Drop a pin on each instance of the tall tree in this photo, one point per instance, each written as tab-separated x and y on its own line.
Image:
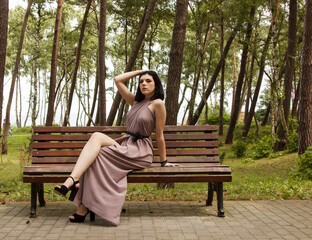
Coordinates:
4	19
102	98
15	73
133	55
175	62
234	113
289	73
305	96
221	104
77	61
57	30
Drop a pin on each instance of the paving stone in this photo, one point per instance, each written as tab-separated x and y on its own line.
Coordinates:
164	220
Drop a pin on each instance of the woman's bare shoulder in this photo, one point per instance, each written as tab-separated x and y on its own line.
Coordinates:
157	103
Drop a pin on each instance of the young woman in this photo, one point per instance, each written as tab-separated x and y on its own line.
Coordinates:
98	182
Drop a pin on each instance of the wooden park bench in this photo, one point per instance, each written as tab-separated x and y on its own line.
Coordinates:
55	151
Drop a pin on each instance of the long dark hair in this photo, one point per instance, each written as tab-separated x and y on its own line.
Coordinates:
158	92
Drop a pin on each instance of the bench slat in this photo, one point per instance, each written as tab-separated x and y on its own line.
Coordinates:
64	169
80	145
137	178
170	152
190	159
85	137
168	128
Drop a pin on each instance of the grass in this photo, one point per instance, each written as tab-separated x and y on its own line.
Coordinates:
266	178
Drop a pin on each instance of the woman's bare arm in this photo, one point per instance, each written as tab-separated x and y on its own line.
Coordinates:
120	81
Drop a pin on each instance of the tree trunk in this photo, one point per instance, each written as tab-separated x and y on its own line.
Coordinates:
305	92
257	89
102	95
15	73
4	18
234	114
36	70
289	73
175	62
222	73
266	115
57	30
212	80
77	61
134	53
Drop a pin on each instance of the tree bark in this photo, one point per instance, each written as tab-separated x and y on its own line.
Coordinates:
57	30
222	73
77	61
134	53
240	80
305	92
175	62
102	95
289	73
4	19
15	73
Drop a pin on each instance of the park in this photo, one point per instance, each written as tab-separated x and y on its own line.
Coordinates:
237	93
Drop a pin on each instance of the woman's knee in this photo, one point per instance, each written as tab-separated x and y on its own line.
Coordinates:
97	136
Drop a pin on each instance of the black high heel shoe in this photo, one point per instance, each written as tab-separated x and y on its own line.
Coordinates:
80	218
64	190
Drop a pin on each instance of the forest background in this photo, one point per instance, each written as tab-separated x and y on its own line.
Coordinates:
60	57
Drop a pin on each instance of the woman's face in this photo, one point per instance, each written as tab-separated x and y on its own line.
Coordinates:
147	85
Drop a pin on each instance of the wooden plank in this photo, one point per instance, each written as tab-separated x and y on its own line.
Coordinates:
170	152
178	178
80	145
182	160
67	168
168	128
85	137
138	179
79	129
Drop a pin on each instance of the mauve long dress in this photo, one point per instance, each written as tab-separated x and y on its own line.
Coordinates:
103	186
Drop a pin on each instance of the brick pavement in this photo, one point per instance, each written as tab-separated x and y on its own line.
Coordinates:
290	219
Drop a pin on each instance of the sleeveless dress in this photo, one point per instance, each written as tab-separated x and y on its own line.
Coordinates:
103	186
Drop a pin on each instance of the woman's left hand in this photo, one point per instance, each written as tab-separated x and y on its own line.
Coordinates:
172	165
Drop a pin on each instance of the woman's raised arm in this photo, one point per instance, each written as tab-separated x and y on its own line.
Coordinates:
120	81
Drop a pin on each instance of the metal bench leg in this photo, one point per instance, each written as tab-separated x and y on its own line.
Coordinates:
33	204
210	194
42	202
220	199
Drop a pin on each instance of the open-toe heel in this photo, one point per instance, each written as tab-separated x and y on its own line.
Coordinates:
63	190
80	218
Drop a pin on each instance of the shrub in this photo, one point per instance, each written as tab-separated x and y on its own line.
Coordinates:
292	144
239	148
263	148
305	164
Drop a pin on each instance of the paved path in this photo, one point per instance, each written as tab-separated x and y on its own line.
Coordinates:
291	219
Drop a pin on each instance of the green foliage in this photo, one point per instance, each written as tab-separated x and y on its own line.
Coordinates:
239	148
292	144
305	164
263	148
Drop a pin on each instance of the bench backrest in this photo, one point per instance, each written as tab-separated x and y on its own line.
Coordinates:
185	144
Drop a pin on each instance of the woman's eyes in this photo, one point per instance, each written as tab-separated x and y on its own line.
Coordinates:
148	81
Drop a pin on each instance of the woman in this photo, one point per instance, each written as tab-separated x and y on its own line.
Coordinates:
102	167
